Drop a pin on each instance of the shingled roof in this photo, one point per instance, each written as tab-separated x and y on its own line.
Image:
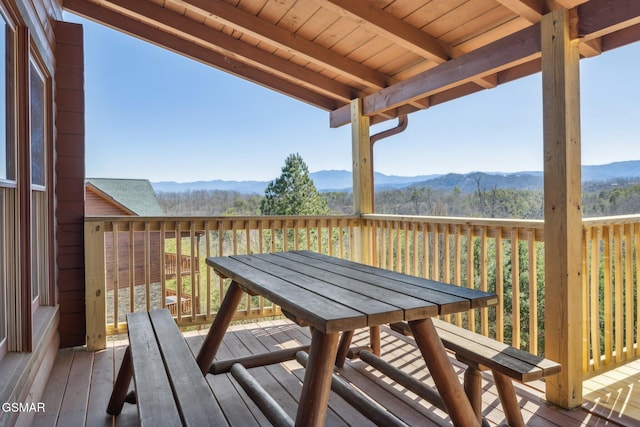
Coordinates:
135	195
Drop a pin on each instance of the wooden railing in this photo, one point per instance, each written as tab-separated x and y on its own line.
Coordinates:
126	255
171	265
501	256
487	254
611	302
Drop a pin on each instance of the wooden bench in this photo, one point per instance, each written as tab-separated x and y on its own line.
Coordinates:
506	363
170	388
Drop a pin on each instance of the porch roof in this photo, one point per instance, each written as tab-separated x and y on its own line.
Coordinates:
399	56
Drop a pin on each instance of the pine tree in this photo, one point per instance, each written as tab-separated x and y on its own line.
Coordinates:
293	192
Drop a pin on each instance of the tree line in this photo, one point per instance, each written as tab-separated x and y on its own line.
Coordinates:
293	193
604	199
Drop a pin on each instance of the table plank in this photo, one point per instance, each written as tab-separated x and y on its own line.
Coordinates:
411	306
446	302
376	310
476	298
320	312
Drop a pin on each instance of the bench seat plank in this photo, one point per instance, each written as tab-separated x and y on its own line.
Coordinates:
515	363
191	391
156	405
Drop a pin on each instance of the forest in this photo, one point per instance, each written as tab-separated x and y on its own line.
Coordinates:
599	199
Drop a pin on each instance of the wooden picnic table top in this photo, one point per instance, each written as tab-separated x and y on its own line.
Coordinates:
333	295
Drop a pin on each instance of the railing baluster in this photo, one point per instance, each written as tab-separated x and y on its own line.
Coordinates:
533	294
116	275
499	285
608	321
515	288
628	273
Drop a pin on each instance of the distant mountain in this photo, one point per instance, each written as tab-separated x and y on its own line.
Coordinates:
342	180
484	181
324	181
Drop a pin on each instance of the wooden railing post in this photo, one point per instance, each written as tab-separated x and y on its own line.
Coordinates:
95	285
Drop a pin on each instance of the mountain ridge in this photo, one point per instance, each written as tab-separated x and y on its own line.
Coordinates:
341	180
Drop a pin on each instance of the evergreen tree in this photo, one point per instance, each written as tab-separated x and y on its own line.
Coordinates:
293	192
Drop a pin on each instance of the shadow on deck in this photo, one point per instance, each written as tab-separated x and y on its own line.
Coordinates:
81	382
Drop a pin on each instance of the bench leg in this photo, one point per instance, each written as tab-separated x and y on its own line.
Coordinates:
449	387
473	389
507	395
120	388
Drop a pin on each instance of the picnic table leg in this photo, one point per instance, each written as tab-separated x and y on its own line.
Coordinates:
120	388
343	347
450	389
507	395
314	398
219	327
374	339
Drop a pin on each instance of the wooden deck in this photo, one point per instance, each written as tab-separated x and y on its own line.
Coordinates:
80	385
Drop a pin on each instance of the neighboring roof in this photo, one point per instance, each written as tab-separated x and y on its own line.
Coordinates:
399	56
136	195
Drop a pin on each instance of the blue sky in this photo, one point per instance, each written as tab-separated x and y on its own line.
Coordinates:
157	115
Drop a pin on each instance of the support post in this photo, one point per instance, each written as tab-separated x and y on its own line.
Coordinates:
362	177
562	208
95	286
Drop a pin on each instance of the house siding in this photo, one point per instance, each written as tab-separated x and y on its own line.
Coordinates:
70	172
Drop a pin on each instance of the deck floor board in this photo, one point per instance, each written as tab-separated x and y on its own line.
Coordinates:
80	385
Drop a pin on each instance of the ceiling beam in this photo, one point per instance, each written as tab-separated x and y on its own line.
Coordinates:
179	45
392	28
512	50
601	17
231	47
273	35
530	10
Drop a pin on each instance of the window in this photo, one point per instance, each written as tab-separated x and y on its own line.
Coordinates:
7	142
38	98
7	177
38	126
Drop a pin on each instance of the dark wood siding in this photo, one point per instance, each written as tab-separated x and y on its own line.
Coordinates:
70	172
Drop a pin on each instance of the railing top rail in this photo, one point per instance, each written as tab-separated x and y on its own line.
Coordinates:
468	221
611	220
198	223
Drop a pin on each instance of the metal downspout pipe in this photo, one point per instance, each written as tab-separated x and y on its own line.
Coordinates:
403	121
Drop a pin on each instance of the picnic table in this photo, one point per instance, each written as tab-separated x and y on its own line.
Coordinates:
334	296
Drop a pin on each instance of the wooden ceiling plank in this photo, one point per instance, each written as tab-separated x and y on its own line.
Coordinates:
274	35
392	28
113	19
511	50
234	48
531	10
